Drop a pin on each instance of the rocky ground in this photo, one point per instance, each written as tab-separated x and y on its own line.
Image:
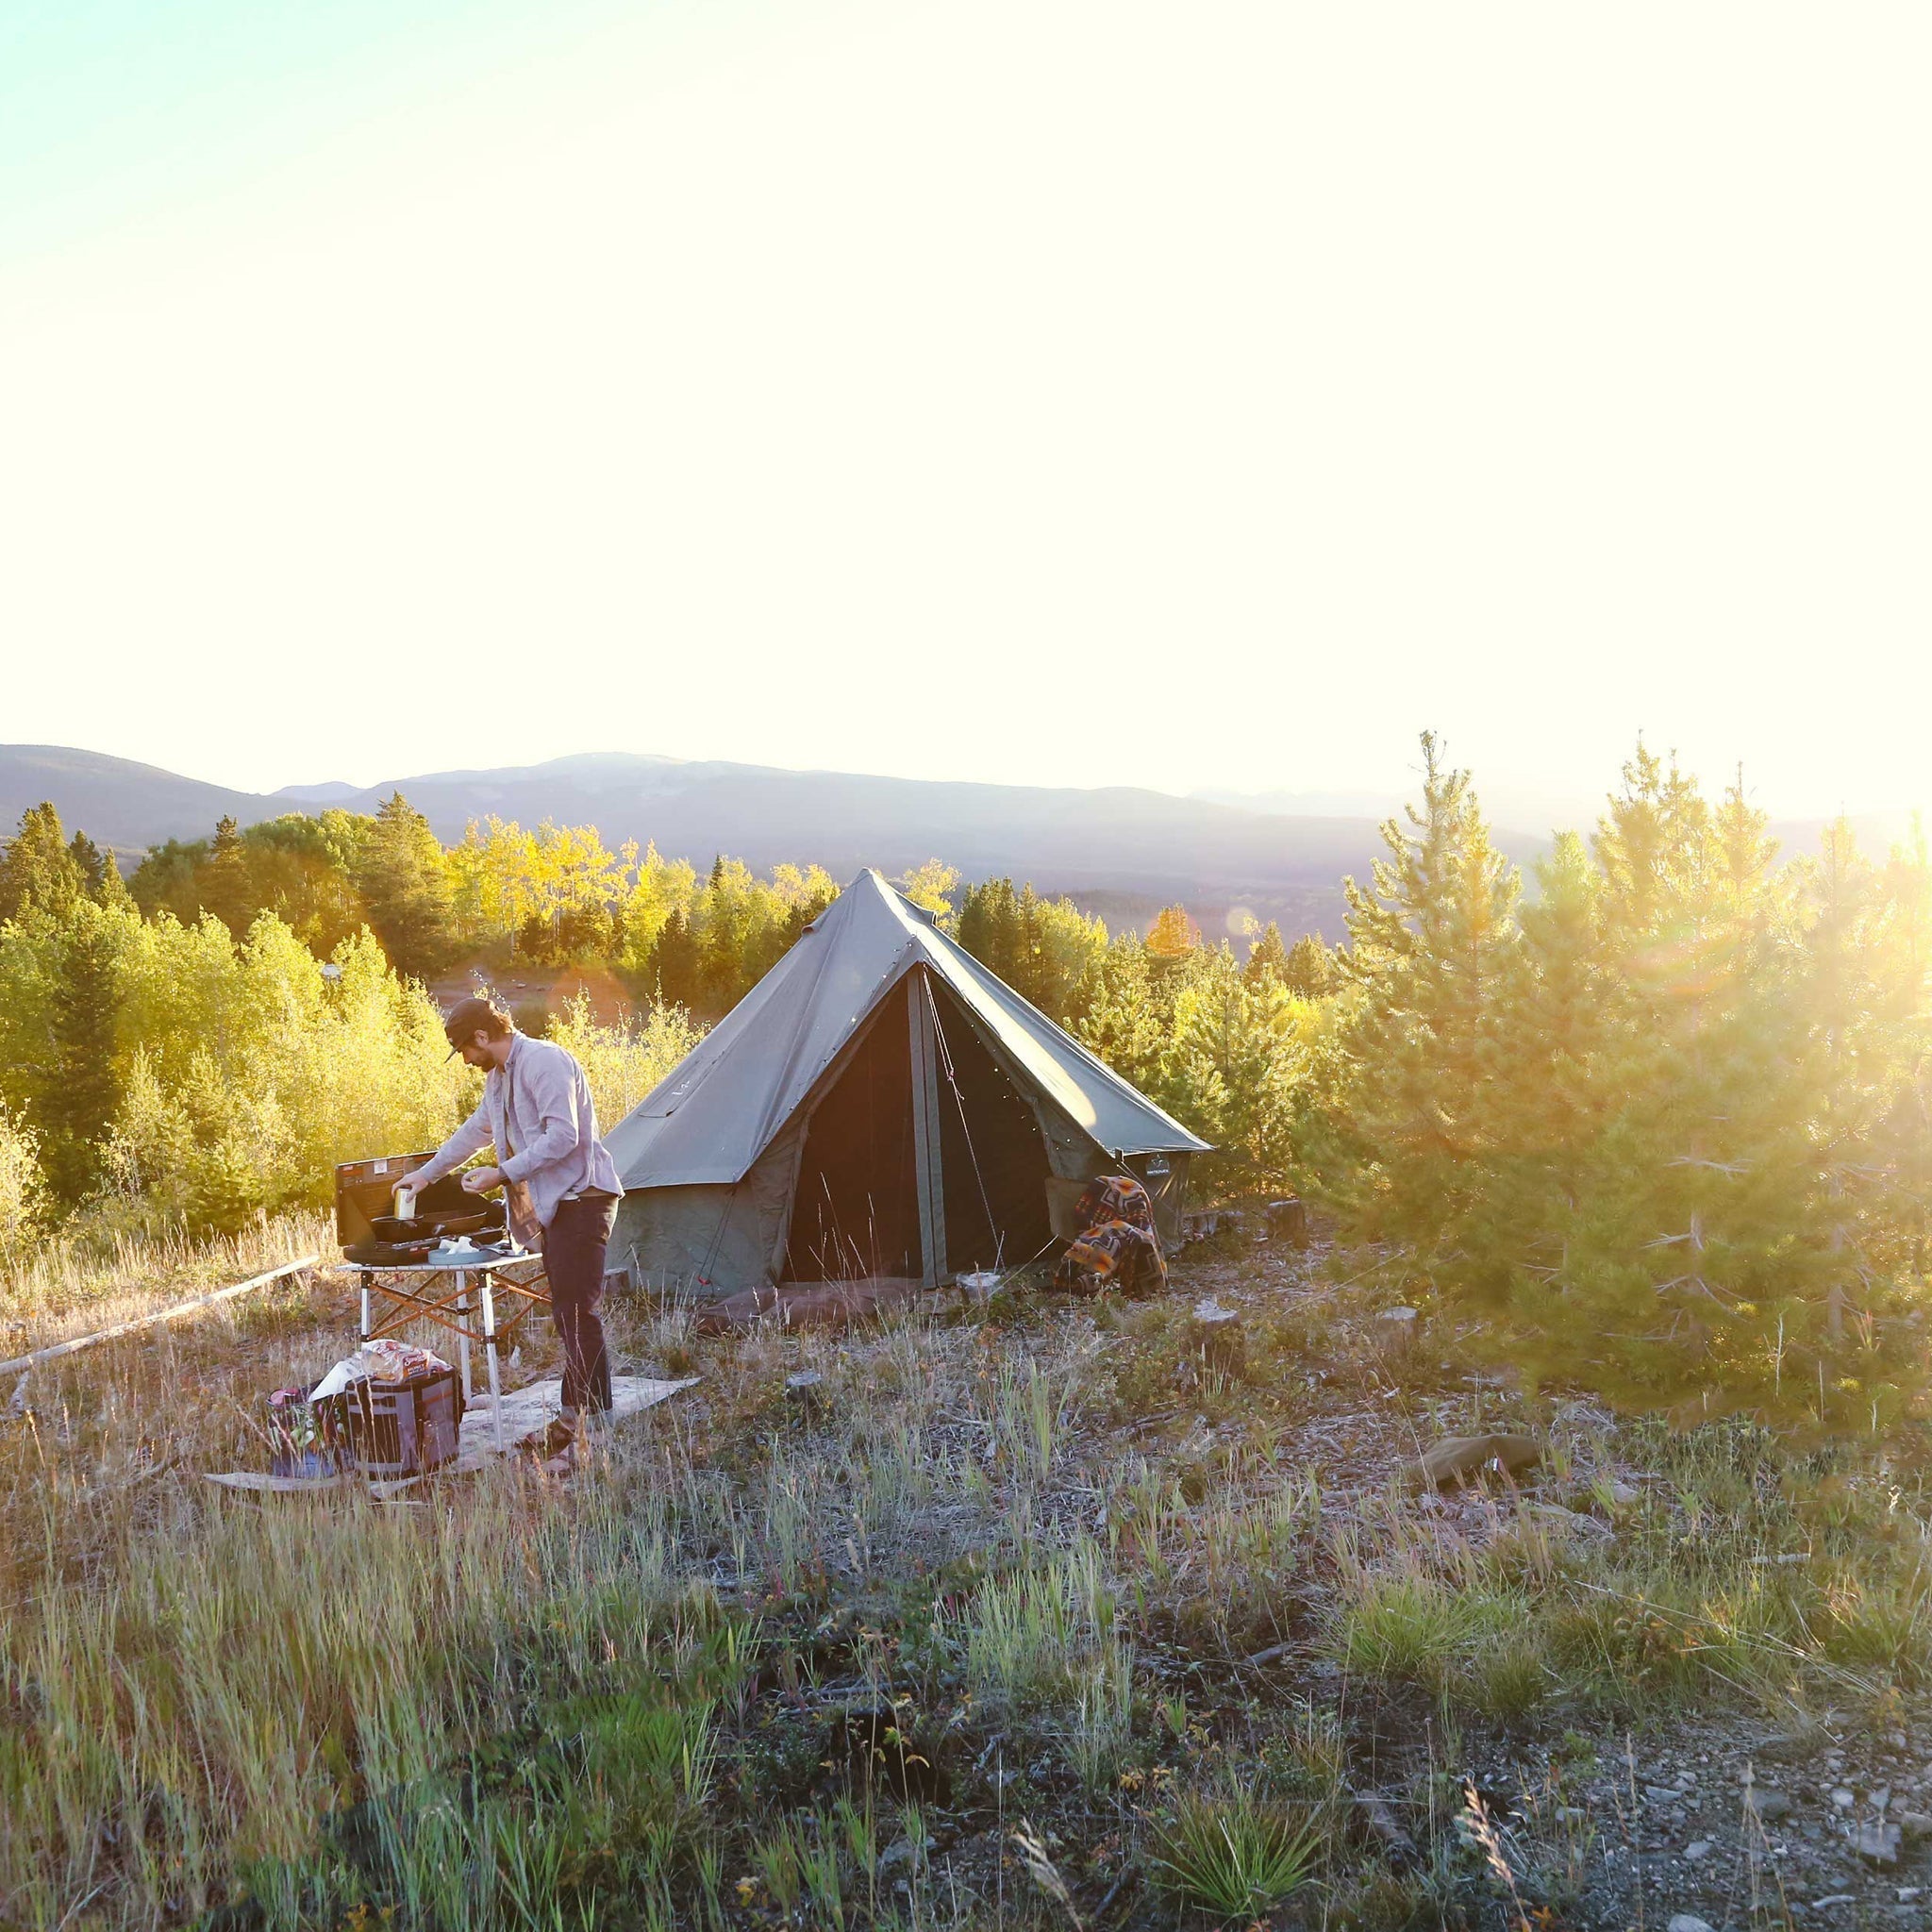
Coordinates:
1758	1804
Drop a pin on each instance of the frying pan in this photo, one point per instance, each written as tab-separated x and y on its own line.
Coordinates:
425	1227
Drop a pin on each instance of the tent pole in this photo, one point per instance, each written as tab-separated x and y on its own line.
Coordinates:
928	1175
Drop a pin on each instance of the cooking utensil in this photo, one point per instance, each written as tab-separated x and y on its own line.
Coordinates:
425	1227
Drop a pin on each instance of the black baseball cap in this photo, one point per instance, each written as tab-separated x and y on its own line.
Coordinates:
468	1018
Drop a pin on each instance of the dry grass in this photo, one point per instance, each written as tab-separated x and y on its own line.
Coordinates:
769	1665
70	1287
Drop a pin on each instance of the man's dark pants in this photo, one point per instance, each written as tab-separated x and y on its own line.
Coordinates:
574	1246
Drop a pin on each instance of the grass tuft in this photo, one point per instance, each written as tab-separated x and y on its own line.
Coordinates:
1236	1856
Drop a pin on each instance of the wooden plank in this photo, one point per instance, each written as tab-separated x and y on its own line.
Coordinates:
251	1484
140	1322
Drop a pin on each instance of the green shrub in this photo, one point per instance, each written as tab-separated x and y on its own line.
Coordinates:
1415	1628
1506	1681
1236	1856
1043	1632
1882	1622
25	1206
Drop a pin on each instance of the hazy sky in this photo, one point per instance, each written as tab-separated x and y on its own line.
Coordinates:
1197	396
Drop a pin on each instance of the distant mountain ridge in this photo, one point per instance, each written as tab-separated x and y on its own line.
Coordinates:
1124	848
118	802
1122	851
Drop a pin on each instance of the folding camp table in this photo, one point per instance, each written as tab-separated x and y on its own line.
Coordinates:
444	1297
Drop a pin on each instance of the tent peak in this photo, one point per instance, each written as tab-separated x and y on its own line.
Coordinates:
870	882
715	1114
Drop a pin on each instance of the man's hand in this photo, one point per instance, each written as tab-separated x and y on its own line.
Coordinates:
417	1180
479	1180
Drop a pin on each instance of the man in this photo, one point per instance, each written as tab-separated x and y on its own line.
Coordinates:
560	1183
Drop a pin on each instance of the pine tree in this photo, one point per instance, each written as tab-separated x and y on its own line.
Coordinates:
1866	1040
225	888
734	918
90	861
1902	1141
1172	935
78	1106
100	878
1309	969
1267	957
990	926
1047	950
1547	1103
37	869
113	888
1434	947
1651	847
675	962
1236	1061
1125	1022
1686	1264
406	886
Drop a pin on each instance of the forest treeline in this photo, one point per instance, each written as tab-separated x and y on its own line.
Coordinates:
551	898
1659	1124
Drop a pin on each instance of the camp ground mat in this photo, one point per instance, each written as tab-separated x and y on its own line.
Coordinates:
527	1410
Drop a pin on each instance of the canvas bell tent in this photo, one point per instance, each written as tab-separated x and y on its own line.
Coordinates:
878	1106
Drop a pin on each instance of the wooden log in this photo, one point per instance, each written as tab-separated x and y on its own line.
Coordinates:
1394	1332
1214	1334
140	1322
1288	1221
1464	1458
806	1390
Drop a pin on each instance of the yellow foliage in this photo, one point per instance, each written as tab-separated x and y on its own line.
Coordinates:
250	1070
23	1190
624	1061
1172	935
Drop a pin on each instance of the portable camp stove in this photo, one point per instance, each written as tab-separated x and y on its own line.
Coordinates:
402	1281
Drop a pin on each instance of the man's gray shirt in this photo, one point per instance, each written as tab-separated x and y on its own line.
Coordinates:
552	1124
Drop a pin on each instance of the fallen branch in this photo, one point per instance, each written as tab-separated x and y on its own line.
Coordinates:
200	1301
1382	1822
1131	1876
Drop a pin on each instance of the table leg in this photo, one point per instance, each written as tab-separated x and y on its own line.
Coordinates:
364	1336
489	1353
463	1335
